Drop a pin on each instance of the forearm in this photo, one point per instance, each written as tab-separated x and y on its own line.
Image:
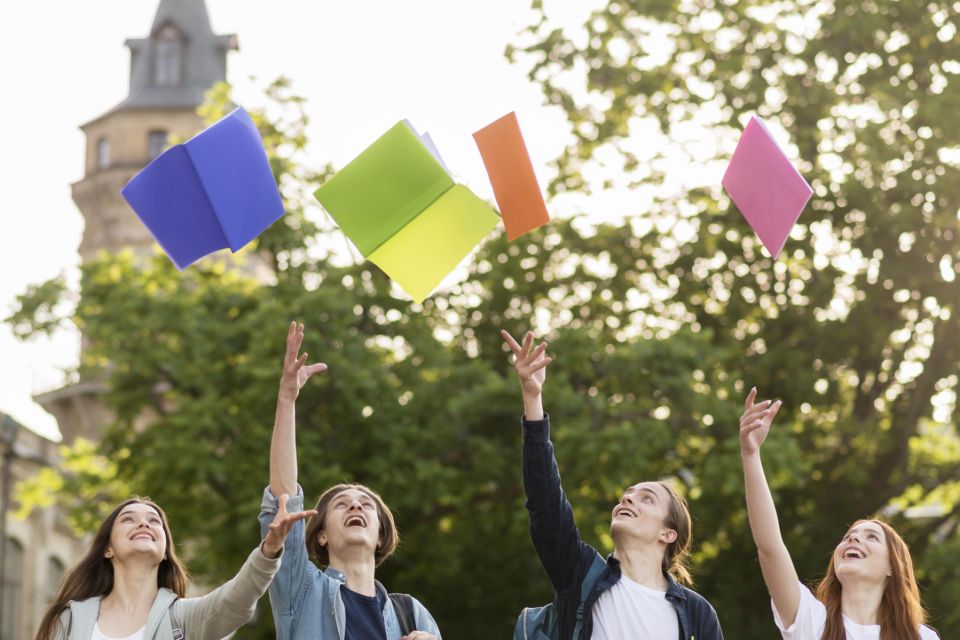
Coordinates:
223	610
283	448
553	529
761	511
779	573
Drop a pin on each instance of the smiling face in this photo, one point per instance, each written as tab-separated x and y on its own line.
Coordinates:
641	515
137	531
351	520
863	553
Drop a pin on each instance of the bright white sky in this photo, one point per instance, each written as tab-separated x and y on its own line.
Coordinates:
362	64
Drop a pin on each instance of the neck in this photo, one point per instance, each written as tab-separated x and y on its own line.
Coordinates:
359	568
860	601
134	587
643	565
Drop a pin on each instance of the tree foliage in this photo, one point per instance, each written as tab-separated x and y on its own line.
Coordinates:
656	334
855	326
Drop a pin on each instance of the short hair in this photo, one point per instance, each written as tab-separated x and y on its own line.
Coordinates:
389	537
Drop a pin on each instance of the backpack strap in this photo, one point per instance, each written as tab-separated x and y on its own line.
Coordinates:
586	589
403	606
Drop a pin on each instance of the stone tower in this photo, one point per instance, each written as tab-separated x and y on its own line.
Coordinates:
170	70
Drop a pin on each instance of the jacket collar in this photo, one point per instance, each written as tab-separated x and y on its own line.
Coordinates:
84	614
674	590
341	578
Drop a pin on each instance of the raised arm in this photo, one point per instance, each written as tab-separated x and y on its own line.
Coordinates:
552	527
775	562
283	445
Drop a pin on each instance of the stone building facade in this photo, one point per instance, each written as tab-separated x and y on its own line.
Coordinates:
170	70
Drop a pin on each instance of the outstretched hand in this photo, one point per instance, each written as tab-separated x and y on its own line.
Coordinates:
296	371
280	527
755	423
530	362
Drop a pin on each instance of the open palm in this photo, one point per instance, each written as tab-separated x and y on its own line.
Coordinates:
296	371
529	361
755	422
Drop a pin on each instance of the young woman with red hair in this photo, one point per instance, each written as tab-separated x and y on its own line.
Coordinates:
869	590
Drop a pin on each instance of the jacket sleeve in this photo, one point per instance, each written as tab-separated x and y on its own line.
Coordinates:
552	527
228	607
424	620
289	586
709	627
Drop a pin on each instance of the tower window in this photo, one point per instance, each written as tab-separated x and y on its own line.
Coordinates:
156	143
103	153
168	62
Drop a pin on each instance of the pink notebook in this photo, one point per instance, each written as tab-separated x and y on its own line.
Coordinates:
767	189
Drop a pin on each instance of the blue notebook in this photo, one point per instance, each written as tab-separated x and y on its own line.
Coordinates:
215	191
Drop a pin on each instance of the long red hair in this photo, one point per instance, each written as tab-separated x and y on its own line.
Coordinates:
901	612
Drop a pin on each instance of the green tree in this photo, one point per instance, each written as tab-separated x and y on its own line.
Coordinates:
855	326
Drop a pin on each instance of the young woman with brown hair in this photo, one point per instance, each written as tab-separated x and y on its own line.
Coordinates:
131	586
869	590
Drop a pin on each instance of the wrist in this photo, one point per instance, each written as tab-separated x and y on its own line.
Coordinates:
287	395
270	550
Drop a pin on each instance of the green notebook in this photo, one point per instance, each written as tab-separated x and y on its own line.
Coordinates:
398	204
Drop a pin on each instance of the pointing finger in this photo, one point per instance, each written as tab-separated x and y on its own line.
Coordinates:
750	398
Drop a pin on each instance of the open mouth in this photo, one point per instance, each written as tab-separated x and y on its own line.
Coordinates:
355	521
623	511
853	553
143	536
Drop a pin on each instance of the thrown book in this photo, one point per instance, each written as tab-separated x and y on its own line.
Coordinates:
511	174
398	204
213	192
765	186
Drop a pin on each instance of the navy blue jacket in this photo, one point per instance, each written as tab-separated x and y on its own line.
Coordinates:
566	558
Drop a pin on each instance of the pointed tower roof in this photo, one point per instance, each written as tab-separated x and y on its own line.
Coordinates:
178	61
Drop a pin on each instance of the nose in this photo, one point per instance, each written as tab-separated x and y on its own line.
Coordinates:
355	505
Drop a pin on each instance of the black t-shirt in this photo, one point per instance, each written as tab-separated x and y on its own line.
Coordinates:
364	615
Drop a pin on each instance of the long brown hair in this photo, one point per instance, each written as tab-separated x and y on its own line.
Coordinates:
389	537
901	612
677	555
93	575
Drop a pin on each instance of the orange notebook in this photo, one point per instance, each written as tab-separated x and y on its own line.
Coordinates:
511	174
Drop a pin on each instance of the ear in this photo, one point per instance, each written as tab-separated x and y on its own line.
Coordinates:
322	539
668	536
108	554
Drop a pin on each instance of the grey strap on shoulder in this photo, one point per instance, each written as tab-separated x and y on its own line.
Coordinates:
403	606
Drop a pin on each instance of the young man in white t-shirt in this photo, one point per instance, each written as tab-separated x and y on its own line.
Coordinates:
637	596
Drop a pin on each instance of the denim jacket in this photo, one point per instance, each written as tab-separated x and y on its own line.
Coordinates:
566	558
306	602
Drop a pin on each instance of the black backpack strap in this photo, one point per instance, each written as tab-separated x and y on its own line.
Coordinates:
403	606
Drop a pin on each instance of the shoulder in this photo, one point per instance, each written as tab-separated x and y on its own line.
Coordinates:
926	633
697	601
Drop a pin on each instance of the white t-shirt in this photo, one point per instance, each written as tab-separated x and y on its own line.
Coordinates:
631	611
812	618
98	635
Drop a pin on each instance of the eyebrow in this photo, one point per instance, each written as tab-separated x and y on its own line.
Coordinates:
866	529
127	512
644	489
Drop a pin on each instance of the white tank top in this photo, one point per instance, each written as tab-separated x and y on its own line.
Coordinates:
98	635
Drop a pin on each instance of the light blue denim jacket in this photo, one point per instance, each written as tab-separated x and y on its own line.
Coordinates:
306	602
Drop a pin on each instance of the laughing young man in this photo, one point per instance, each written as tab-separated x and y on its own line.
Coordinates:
638	595
351	533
